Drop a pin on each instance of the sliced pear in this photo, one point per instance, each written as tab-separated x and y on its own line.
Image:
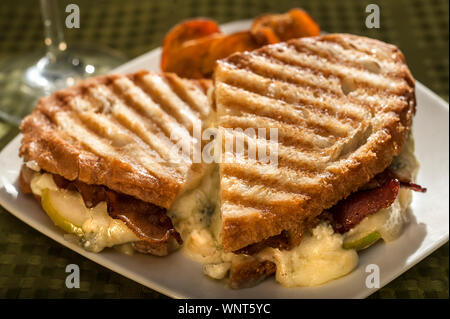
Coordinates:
387	224
65	209
360	243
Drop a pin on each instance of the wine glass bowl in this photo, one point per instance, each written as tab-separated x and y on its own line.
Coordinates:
26	78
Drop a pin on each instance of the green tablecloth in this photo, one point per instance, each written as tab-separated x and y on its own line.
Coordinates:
32	265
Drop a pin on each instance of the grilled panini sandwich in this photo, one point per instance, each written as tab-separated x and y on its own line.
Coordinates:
104	160
335	178
343	107
102	157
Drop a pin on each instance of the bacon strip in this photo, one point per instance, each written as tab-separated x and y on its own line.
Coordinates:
281	241
250	272
149	222
414	187
388	175
351	211
91	194
378	193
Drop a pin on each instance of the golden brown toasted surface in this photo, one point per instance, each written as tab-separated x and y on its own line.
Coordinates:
343	106
120	131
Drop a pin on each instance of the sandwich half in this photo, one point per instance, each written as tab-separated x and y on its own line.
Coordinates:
342	107
342	113
106	159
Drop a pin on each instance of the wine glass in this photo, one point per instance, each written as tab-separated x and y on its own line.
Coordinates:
31	76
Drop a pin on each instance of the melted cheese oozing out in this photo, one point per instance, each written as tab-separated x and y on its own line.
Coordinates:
99	229
319	258
196	215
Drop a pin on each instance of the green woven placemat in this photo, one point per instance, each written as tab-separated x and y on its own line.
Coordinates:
32	265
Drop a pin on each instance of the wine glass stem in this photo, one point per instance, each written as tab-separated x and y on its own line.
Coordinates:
54	35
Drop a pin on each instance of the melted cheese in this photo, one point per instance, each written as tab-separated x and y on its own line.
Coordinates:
196	216
318	259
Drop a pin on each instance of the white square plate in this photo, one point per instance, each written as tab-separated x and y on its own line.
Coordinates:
179	277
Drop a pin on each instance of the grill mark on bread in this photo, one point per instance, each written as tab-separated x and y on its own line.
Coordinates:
190	94
358	46
303	55
108	131
133	122
286	155
318	83
128	143
145	105
106	125
97	141
296	96
282	111
364	106
361	60
285	180
282	167
288	134
334	52
268	67
274	204
86	137
120	111
168	100
377	99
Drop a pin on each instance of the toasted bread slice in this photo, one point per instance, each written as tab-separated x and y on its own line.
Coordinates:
343	107
121	131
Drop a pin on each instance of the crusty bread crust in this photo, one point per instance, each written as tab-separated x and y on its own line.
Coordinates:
120	139
356	100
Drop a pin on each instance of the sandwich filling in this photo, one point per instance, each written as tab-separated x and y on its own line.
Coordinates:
107	157
97	217
97	229
323	254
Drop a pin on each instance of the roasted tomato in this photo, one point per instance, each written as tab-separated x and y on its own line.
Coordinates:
273	28
191	48
196	58
179	37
